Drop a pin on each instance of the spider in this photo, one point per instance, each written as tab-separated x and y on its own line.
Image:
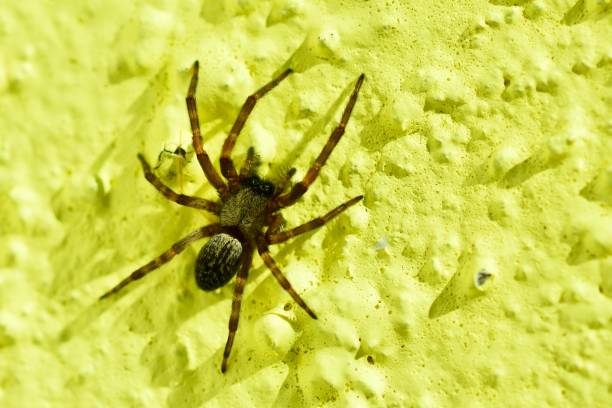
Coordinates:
248	210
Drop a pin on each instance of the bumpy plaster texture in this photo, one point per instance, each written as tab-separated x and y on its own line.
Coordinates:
476	272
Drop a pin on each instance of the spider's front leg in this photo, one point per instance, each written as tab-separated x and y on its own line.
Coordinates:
171	195
227	165
300	188
251	162
283	183
275	237
209	171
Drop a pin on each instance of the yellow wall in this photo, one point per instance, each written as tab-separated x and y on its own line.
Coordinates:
481	140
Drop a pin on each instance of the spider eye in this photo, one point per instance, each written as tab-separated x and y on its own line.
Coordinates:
267	188
264	188
217	262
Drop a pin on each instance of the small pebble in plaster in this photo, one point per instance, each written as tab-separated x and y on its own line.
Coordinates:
441	257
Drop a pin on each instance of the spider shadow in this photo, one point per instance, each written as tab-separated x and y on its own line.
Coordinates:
93	313
83	320
317	127
95	310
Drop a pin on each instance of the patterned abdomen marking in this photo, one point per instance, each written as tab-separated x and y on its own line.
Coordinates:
217	261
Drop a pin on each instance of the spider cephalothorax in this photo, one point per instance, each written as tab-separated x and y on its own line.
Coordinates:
244	213
248	210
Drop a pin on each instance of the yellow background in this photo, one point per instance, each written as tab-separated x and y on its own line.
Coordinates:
481	140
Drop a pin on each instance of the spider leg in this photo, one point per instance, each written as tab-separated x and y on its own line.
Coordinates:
174	250
181	199
274	222
247	257
209	171
264	252
300	188
282	184
278	237
249	164
227	165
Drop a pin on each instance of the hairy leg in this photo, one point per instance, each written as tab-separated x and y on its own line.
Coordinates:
274	222
282	184
300	188
211	174
264	252
250	163
227	165
174	250
181	199
247	257
278	237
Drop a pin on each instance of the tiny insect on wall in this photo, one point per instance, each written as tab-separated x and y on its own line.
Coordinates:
172	163
248	209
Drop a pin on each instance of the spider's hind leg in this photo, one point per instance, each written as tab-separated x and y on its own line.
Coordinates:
241	277
167	256
264	252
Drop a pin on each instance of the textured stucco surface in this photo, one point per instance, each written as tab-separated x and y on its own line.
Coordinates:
476	272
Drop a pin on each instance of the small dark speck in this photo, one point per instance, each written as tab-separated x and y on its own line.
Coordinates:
287	306
370	359
482	277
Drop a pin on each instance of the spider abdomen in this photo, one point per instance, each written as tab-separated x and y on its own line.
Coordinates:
217	262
